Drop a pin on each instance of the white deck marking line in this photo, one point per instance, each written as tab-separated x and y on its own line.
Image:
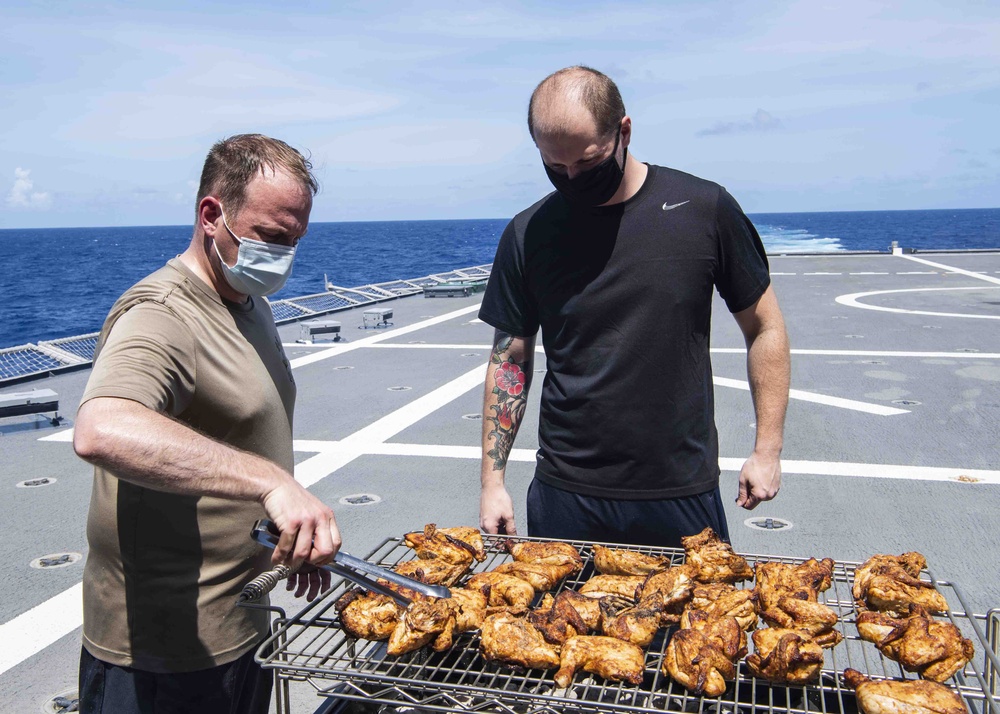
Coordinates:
784	274
868	272
852	300
822	273
872	353
318	467
960	271
31	632
918	272
805	468
804	396
339	349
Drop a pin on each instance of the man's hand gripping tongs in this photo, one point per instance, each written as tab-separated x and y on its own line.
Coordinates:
347	566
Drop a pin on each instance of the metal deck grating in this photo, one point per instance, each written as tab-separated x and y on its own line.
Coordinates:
310	646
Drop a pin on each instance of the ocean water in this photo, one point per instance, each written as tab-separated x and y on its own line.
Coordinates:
59	282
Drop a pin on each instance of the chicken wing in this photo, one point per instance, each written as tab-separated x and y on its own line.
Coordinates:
615	561
803	581
550	553
438	544
891	583
698	665
724	633
432	572
513	640
367	615
622	585
470	608
933	649
637	624
541	576
423	622
725	600
607	657
785	656
813	618
713	560
557	618
914	696
671	590
503	592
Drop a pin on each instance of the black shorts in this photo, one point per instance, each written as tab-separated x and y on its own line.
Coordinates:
554	513
238	687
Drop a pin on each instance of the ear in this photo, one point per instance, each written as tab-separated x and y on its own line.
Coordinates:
209	213
626	130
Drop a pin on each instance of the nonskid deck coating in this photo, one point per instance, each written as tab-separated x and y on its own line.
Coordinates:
856	482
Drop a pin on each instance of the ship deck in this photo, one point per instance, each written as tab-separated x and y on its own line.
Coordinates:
890	440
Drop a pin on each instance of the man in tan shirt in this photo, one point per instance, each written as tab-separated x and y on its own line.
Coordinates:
187	418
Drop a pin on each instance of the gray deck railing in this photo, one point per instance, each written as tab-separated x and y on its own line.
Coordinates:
41	359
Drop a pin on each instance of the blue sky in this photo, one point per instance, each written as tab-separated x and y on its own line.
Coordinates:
417	110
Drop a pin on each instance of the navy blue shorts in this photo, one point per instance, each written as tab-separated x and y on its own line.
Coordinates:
238	687
554	513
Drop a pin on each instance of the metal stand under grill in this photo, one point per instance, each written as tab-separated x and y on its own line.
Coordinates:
310	646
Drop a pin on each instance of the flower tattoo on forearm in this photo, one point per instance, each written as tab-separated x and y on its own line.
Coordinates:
510	382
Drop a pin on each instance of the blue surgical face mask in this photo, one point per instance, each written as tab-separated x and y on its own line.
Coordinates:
261	268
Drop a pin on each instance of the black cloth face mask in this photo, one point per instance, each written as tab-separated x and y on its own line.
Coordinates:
594	186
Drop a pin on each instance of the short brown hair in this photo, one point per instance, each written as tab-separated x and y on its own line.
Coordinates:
233	163
594	90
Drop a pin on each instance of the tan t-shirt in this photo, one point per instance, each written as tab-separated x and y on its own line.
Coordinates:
164	570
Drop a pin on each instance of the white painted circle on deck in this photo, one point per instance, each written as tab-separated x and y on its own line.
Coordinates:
853	299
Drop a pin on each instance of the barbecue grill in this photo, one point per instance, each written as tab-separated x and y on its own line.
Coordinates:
311	647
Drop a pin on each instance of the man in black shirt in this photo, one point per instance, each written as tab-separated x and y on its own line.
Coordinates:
617	268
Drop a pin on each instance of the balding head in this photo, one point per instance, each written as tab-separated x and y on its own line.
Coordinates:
565	98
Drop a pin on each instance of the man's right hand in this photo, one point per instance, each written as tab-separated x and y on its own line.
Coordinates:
309	531
496	511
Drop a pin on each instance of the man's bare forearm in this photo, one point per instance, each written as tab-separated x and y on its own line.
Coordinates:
769	374
508	378
150	449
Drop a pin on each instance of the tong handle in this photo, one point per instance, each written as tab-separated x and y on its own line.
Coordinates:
355	569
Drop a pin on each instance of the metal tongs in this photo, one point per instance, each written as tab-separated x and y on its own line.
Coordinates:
347	566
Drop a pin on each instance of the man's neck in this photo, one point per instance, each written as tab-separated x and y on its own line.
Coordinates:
635	176
196	259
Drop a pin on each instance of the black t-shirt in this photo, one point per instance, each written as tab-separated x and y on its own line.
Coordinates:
623	296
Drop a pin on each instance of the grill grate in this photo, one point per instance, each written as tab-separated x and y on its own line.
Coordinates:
310	646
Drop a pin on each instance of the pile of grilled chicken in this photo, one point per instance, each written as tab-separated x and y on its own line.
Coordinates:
605	625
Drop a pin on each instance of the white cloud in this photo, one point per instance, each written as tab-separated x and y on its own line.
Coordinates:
760	121
21	195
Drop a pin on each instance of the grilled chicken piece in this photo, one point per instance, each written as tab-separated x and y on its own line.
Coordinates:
637	624
725	600
804	581
891	583
432	572
503	592
890	696
367	615
670	589
785	656
935	650
541	576
470	608
723	632
549	553
607	657
813	618
622	585
438	544
615	561
507	638
713	560
423	622
698	665
558	619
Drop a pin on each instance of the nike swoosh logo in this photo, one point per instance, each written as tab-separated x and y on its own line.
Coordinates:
671	207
